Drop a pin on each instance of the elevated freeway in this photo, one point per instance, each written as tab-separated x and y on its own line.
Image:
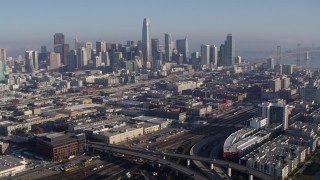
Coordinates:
154	156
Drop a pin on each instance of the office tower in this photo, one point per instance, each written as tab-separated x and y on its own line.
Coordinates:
96	61
139	45
54	62
61	47
155	47
168	46
287	69
31	61
183	47
279	114
275	84
274	112
3	57
58	39
222	56
2	71
88	46
285	82
213	55
230	50
130	43
82	58
270	63
101	46
278	68
238	60
205	55
43	49
105	58
146	43
72	61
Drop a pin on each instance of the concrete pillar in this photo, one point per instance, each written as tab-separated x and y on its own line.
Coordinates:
177	173
229	172
211	166
159	165
152	163
188	162
164	157
250	177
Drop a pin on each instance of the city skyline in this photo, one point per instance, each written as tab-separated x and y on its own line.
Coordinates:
274	23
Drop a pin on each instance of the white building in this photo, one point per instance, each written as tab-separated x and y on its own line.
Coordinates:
205	55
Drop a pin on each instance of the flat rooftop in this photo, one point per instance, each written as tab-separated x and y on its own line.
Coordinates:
9	161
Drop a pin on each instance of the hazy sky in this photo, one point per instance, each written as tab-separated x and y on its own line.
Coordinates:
256	24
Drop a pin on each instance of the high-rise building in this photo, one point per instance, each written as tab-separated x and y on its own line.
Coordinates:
3	58
279	114
101	46
82	58
72	60
32	63
58	39
230	50
205	55
222	56
54	62
61	47
183	47
237	60
275	113
44	49
270	63
275	84
287	69
146	43
2	71
105	58
168	46
155	47
89	48
213	55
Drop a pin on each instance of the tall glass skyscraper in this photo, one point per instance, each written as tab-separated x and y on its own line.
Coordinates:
168	46
183	47
146	43
2	70
230	50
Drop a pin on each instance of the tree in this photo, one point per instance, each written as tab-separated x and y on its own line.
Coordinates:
37	130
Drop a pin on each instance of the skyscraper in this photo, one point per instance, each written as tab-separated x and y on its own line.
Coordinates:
183	47
3	58
168	45
230	50
146	43
82	58
213	55
54	62
72	60
89	48
61	47
101	46
2	71
270	63
32	63
205	55
156	50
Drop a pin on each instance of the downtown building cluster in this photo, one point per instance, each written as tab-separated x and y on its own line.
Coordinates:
144	55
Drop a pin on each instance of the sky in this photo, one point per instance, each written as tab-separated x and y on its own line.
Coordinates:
257	25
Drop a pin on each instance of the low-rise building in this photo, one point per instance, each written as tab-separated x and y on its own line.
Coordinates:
10	165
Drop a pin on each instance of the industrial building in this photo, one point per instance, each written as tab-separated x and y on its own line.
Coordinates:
57	146
10	165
